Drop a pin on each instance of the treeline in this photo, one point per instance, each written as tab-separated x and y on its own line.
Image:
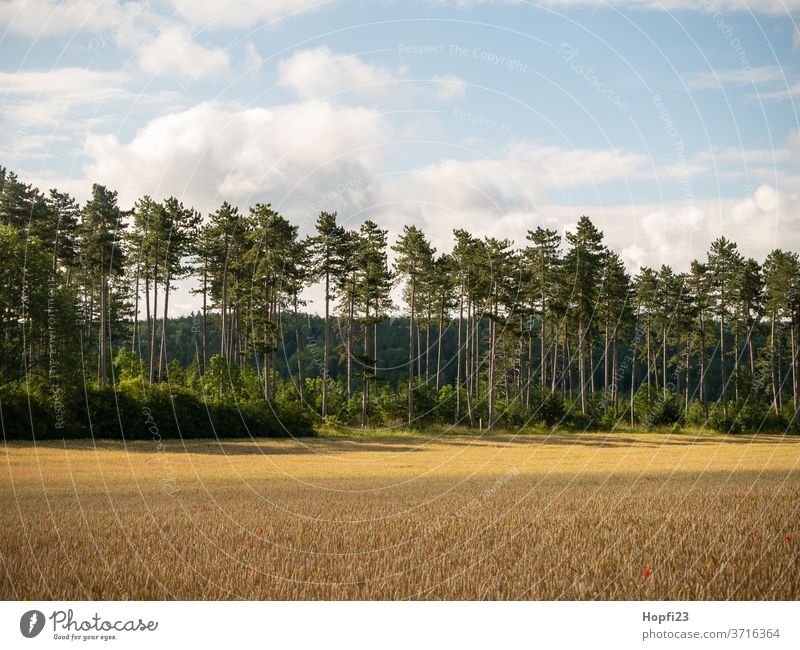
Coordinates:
486	335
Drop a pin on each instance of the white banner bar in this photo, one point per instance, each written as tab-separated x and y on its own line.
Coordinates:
388	625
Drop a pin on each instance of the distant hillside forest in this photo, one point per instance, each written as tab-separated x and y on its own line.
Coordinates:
550	332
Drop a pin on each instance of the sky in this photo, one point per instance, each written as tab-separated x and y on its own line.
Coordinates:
668	122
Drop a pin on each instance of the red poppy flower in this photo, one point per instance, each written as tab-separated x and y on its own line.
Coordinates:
647	573
260	531
788	538
674	529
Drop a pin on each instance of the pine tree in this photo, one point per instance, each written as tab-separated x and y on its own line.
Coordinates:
414	258
327	250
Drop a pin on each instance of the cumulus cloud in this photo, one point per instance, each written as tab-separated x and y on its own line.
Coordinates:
68	99
47	17
211	153
174	52
319	72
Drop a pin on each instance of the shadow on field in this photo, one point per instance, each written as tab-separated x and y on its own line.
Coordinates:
612	440
265	447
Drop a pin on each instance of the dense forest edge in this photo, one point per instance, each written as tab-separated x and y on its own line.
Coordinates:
553	334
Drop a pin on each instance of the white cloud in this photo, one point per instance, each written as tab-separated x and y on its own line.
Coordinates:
241	13
320	72
286	154
253	59
736	76
47	17
67	99
777	7
174	52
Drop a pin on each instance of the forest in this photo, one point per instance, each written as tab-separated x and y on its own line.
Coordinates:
493	335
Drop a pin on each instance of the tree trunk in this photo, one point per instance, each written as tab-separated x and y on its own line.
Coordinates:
439	348
411	353
664	361
458	353
605	367
162	354
325	343
468	363
722	364
772	352
298	344
101	361
492	341
582	365
135	311
365	366
633	385
151	356
205	315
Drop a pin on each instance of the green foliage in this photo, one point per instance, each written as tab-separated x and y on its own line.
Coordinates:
662	410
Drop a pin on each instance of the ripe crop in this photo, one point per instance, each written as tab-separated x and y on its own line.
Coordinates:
593	516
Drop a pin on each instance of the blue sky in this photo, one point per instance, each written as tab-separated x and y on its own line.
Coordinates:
667	122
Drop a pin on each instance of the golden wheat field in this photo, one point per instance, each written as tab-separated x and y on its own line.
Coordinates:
593	516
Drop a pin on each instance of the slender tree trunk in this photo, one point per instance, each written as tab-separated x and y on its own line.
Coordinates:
151	356
722	364
664	361
633	386
147	310
615	373
752	363
365	384
102	377
703	389
736	363
458	352
490	388
439	348
298	344
135	311
582	365
419	353
325	343
224	307
649	360
468	363
605	367
350	346
793	334
162	355
411	353
205	315
428	353
688	377
529	369
772	362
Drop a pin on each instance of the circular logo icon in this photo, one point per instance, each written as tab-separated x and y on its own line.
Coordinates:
31	623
